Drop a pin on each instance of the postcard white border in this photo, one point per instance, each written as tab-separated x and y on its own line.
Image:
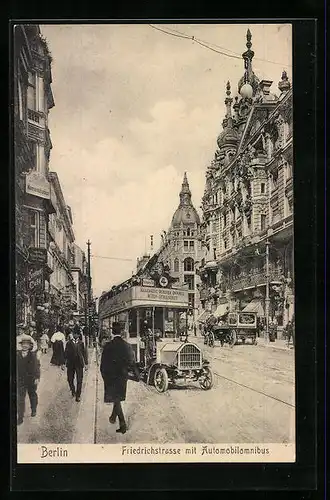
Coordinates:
156	453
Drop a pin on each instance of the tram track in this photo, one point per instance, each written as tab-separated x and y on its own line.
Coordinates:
172	401
253	389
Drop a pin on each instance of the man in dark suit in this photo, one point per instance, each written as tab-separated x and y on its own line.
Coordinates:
76	361
116	362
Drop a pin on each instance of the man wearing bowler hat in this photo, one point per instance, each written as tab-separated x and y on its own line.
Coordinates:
116	361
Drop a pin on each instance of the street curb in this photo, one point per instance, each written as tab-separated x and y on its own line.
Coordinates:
84	432
277	348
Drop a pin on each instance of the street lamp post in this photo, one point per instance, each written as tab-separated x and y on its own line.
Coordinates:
267	300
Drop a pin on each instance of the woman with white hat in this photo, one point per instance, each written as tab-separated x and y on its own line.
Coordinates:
58	343
28	375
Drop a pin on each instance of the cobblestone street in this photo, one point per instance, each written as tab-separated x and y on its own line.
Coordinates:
252	400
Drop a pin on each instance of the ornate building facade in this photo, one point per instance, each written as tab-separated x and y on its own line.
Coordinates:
32	101
248	202
180	249
61	255
80	278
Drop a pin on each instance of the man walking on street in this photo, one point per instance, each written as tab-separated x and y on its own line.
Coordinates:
76	360
28	375
116	361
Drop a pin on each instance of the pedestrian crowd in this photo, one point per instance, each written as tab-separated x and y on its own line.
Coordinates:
69	351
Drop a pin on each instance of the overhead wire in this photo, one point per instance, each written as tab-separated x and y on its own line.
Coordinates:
208	45
111	258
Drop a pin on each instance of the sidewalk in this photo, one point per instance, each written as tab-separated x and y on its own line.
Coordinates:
278	344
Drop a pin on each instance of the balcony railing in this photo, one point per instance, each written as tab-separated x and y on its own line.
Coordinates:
33	116
254	279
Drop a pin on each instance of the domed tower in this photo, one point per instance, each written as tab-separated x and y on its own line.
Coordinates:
181	246
185	214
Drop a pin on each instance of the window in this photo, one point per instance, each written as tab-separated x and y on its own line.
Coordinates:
32	92
191	300
274	179
188	264
288	206
225	244
262	222
191	245
176	265
262	188
36	156
190	280
248	222
214	227
188	231
20	101
186	245
32	235
224	220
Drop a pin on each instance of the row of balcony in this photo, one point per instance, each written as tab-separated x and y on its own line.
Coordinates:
254	279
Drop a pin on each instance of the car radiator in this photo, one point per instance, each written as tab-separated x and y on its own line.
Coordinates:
189	358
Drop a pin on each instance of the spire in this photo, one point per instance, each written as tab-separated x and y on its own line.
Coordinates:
248	54
185	193
228	100
249	81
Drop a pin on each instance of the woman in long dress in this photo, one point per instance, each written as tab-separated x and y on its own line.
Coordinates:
58	343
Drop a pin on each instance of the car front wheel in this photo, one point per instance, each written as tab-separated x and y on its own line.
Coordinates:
206	379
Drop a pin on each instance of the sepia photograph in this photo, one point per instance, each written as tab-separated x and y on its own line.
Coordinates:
154	243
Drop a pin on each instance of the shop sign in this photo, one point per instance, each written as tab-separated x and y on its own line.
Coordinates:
163	281
148	282
160	295
37	185
35	279
38	255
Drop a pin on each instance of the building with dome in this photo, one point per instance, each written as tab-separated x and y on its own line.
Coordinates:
180	247
248	203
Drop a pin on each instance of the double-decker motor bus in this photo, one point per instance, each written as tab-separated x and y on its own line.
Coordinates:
141	308
155	320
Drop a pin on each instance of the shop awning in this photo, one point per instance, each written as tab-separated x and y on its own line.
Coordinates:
255	306
221	310
203	317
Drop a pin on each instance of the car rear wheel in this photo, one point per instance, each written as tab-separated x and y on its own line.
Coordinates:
206	380
161	380
233	338
211	339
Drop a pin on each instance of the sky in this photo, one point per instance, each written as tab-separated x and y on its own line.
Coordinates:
135	108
